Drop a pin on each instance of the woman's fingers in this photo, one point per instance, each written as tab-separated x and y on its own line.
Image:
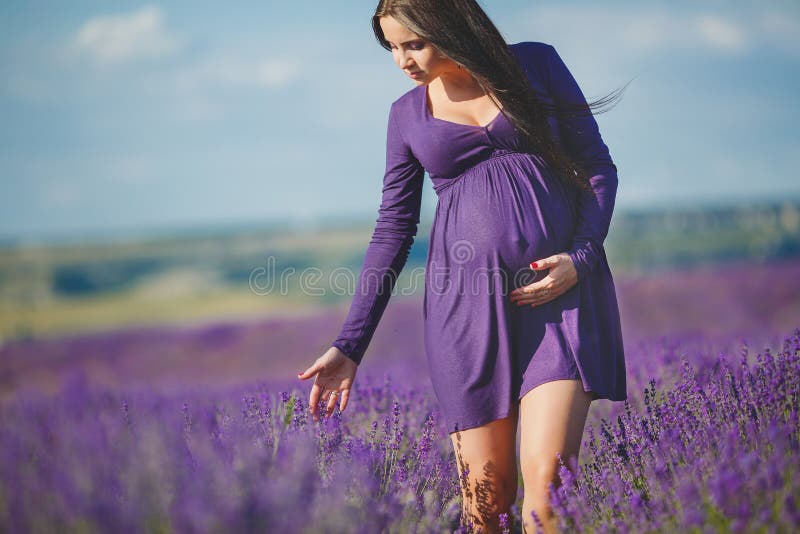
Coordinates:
536	299
311	371
541	291
544	263
535	294
343	402
334	374
332	398
316	391
544	290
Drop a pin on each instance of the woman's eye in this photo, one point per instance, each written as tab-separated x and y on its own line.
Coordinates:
413	46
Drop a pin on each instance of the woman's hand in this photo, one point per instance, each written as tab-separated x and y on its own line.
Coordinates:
559	280
335	373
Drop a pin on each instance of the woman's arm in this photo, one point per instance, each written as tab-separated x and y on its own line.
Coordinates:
582	140
387	253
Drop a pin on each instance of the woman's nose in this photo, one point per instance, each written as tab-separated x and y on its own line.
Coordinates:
404	61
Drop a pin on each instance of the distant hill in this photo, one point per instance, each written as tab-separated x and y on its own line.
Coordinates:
276	270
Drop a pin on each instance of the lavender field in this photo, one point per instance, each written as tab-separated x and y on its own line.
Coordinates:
206	429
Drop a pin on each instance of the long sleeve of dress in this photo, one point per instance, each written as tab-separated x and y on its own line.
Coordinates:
582	140
387	253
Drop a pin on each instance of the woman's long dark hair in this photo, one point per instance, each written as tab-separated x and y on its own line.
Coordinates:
462	31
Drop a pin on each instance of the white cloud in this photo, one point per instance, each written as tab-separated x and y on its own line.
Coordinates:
122	37
720	33
648	29
276	72
237	71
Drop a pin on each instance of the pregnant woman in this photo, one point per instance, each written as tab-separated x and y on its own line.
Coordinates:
520	311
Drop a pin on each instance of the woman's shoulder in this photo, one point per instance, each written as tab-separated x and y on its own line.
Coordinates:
532	53
406	104
535	59
531	47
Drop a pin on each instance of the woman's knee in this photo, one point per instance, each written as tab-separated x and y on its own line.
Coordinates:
539	470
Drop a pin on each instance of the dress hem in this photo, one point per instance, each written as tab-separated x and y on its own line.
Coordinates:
504	414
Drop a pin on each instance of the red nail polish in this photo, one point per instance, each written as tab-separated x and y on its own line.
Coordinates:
533	265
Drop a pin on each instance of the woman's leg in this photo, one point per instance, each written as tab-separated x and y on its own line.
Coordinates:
490	488
552	418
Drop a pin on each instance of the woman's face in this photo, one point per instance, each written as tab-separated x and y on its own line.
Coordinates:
417	57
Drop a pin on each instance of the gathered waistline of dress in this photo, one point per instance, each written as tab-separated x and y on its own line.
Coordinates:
498	153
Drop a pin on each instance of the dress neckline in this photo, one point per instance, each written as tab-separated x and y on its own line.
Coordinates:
430	115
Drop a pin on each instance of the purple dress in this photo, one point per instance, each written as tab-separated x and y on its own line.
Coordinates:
498	209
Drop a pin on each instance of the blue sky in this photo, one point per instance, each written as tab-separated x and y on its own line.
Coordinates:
120	115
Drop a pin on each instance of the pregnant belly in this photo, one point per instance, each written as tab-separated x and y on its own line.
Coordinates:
506	212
